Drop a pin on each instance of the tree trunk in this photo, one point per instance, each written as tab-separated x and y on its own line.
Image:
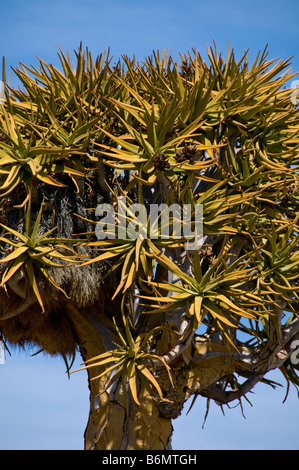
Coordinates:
115	422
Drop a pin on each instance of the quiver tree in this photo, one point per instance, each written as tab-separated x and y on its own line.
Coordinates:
156	321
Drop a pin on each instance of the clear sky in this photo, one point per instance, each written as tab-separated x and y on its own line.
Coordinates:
40	408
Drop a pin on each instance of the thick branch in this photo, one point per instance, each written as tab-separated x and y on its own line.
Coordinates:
257	362
222	397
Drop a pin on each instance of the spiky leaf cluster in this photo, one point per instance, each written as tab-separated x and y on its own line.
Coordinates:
222	134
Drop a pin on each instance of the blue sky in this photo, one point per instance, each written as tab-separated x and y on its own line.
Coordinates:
40	408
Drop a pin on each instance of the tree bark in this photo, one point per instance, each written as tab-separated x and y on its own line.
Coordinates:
115	422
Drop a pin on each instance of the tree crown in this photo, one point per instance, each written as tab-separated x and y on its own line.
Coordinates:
222	136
